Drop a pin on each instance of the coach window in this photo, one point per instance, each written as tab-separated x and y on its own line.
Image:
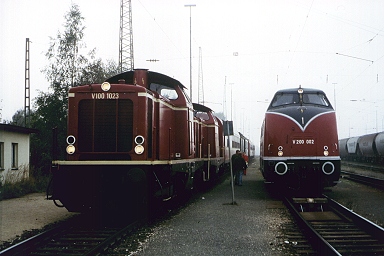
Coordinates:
14	155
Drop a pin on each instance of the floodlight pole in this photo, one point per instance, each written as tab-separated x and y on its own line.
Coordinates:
190	47
334	95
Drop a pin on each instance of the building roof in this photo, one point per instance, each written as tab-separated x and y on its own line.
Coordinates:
15	128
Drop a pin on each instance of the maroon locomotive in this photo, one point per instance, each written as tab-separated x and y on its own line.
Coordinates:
299	141
135	138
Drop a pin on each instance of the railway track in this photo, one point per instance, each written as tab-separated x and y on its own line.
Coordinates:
333	229
73	238
366	166
368	180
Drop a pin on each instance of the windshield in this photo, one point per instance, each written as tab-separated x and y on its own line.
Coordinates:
202	115
165	91
283	99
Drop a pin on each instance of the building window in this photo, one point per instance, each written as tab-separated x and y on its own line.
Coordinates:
1	155
14	156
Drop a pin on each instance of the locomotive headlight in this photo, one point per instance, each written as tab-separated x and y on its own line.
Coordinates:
139	149
326	150
70	149
105	86
280	152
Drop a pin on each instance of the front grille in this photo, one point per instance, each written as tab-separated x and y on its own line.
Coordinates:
105	125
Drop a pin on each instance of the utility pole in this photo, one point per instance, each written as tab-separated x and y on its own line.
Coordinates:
126	61
27	100
190	48
200	98
334	95
1	109
225	99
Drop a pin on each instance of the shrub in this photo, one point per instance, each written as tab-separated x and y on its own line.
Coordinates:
18	183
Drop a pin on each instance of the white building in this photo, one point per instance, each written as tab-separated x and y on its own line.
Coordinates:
14	152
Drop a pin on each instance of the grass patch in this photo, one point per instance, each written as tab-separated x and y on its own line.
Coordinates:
18	183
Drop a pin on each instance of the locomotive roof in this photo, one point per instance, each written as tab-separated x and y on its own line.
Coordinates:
153	77
200	107
294	90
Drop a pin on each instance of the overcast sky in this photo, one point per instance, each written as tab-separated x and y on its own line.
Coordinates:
252	47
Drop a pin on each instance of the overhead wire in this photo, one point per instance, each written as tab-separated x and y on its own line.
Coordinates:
162	30
301	33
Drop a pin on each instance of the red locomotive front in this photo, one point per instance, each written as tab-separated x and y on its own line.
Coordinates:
299	142
128	137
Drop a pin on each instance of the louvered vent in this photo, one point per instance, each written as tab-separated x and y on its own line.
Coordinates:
105	125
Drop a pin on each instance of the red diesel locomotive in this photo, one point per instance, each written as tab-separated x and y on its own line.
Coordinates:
299	141
133	139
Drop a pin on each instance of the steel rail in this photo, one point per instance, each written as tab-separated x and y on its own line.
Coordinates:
367	166
334	229
23	246
317	241
368	180
365	224
103	246
67	240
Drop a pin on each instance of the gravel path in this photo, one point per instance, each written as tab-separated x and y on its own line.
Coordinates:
27	213
213	226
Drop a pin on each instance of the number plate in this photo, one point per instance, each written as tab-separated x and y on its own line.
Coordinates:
303	142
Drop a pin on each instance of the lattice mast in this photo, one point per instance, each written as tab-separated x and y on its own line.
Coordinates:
27	99
200	95
126	61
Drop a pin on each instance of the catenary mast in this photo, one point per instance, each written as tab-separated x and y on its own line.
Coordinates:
27	99
126	61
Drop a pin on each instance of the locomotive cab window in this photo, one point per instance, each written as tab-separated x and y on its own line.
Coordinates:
294	98
285	99
202	115
165	91
315	98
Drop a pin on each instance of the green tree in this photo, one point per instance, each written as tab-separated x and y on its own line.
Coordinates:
18	118
67	67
